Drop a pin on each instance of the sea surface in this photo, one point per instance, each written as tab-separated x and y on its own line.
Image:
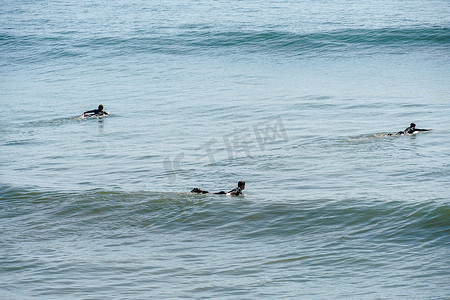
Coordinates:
296	98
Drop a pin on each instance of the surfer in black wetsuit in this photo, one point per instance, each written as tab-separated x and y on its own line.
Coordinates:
411	129
96	112
234	192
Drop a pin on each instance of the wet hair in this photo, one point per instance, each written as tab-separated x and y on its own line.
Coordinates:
100	107
412	125
241	183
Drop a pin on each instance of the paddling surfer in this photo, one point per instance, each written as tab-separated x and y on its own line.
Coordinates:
95	112
411	129
234	192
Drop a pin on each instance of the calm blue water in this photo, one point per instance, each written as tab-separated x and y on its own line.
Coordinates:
294	97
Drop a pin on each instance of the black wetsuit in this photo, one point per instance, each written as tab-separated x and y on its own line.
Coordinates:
96	112
199	191
234	192
410	130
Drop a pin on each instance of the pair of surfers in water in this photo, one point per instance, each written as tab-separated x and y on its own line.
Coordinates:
241	184
234	192
100	112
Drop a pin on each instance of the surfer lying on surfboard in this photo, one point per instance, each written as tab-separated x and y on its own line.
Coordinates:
410	130
96	112
234	192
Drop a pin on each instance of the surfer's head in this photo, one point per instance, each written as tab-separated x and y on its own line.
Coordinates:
412	125
241	185
100	107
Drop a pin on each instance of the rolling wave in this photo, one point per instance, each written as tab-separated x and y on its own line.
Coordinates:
240	217
185	41
321	41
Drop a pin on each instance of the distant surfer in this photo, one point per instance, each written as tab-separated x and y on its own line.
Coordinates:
96	112
410	130
234	192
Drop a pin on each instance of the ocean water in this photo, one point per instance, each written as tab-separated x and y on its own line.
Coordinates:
295	97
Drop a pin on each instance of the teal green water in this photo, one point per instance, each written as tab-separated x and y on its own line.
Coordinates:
295	97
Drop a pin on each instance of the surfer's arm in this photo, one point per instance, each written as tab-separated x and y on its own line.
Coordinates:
423	129
235	192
